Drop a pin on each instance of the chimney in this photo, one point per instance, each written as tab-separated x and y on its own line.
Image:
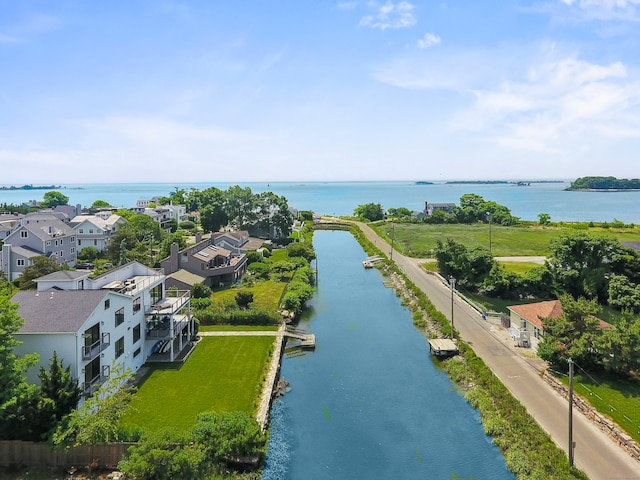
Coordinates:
198	237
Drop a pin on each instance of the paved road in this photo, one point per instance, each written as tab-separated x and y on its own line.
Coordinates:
595	454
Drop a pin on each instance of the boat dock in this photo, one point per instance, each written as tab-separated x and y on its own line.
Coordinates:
307	340
442	347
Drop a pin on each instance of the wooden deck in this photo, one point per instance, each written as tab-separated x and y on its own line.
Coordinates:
443	347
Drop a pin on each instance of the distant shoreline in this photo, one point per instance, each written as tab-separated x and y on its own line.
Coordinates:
31	187
488	182
602	190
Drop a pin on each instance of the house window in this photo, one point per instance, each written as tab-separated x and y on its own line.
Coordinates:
184	257
73	250
79	242
95	242
24	234
136	305
81	230
136	333
48	243
137	352
107	303
20	262
56	243
536	332
119	317
91	230
73	240
119	347
61	253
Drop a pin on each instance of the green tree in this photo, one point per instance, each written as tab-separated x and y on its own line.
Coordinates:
54	198
228	435
88	253
580	264
274	216
59	396
574	335
399	212
299	249
96	421
241	207
244	298
100	204
620	346
200	290
41	266
18	399
165	455
544	218
624	294
371	212
213	213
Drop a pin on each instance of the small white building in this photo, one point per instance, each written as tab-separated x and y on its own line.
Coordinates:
125	316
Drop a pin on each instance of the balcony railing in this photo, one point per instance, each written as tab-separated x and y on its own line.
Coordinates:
89	352
93	385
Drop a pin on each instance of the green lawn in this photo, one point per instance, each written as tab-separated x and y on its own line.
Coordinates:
519	267
616	398
418	240
222	374
236	328
266	293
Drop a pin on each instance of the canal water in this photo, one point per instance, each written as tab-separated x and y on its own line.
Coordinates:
369	403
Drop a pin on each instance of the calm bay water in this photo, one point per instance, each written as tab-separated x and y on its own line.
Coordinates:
369	403
340	198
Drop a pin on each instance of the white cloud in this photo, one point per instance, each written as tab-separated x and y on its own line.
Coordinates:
429	40
390	15
347	5
587	10
542	101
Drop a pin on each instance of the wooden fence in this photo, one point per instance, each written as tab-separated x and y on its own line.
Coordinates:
15	453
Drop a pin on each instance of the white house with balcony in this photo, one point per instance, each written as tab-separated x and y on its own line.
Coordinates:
96	230
125	316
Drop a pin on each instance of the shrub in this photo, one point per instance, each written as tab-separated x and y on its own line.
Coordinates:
259	269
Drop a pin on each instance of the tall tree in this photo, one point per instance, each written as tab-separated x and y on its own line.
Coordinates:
17	398
96	421
59	395
274	215
241	207
41	266
369	211
580	264
54	198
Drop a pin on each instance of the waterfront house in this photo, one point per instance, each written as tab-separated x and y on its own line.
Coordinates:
217	265
37	237
429	208
527	320
126	316
96	230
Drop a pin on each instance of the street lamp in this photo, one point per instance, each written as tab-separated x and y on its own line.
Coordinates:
489	219
452	283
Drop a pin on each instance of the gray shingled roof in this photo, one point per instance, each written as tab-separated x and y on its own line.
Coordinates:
64	275
56	311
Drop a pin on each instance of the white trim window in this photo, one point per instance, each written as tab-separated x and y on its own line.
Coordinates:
20	262
24	234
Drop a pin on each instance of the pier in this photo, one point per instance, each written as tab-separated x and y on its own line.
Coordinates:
443	347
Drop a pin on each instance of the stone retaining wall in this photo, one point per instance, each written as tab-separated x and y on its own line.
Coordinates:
605	424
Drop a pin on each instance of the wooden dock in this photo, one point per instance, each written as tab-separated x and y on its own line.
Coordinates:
307	340
443	347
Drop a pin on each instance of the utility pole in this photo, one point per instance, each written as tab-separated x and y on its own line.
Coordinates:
570	412
489	219
452	282
393	236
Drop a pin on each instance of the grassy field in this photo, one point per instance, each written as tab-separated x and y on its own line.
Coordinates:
236	328
519	267
222	374
617	398
418	240
266	293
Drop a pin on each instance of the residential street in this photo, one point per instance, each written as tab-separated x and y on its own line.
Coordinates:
597	455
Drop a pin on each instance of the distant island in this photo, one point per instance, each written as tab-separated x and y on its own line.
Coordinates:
604	184
31	187
520	183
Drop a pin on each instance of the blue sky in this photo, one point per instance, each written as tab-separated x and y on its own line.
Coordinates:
291	90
